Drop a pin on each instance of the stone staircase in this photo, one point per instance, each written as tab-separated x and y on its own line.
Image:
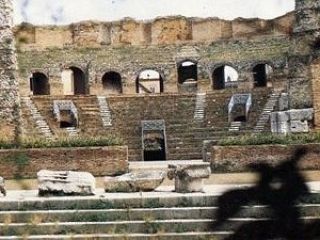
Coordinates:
38	119
155	215
235	126
266	113
200	107
104	111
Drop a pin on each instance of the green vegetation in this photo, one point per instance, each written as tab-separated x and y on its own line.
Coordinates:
20	159
75	142
268	138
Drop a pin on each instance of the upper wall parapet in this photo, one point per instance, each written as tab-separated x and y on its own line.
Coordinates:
161	31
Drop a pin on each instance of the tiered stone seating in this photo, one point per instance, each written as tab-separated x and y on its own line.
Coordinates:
184	134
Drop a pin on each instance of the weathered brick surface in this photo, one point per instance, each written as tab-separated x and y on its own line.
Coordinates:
9	107
238	158
100	161
160	31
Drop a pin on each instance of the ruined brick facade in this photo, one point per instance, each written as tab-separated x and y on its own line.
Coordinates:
129	47
101	68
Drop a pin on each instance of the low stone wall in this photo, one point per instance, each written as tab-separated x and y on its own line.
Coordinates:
238	158
100	161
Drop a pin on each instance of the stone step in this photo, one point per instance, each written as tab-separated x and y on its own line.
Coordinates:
120	227
137	236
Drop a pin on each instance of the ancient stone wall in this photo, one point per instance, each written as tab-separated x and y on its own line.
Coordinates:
8	83
129	61
161	31
100	161
238	158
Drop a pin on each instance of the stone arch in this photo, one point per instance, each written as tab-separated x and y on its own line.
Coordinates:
39	84
112	82
187	71
149	80
74	81
261	74
224	75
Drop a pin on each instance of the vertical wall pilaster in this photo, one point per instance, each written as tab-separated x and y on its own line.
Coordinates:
9	96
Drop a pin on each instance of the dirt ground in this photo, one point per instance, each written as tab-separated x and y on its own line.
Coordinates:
231	178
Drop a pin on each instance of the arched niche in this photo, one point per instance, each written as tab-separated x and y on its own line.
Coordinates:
261	74
39	84
112	82
187	71
149	81
224	76
74	81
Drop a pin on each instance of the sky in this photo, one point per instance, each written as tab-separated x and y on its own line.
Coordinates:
67	11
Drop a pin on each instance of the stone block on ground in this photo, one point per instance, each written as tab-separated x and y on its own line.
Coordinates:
65	183
135	182
189	177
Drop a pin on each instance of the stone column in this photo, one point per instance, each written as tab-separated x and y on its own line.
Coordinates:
302	52
9	97
315	70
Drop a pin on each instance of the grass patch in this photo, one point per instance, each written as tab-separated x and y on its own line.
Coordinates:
268	139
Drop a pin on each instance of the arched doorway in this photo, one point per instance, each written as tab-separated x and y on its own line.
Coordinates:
149	81
111	83
187	71
74	81
79	79
39	84
261	74
224	76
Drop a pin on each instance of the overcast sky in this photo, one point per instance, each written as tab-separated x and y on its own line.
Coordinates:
67	11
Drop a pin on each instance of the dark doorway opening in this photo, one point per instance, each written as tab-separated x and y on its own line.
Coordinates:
218	78
68	120
261	73
39	84
223	77
187	71
64	124
154	146
111	82
240	119
79	78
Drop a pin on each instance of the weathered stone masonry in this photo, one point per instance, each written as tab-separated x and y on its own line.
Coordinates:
9	106
58	58
129	47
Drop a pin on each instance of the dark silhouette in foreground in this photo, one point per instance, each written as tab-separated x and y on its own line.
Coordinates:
279	188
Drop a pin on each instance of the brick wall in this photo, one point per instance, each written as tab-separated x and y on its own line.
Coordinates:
100	161
237	158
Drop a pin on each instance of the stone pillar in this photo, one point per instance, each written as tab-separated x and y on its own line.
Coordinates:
9	107
302	52
315	71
